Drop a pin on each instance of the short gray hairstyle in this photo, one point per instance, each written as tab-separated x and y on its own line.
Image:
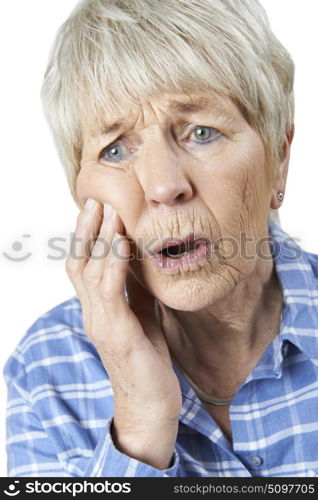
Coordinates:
111	53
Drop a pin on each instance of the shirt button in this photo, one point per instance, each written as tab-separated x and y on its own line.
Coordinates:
285	349
256	461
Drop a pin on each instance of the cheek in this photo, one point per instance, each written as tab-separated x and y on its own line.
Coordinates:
113	187
234	186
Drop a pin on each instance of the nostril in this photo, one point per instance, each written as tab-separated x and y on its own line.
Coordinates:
180	196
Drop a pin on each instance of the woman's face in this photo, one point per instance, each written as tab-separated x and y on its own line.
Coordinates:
180	165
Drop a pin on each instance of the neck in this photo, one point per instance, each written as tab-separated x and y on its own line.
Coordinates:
218	346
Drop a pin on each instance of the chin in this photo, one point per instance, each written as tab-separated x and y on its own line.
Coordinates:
188	293
192	299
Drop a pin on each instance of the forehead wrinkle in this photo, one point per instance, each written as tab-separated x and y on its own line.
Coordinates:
200	103
180	107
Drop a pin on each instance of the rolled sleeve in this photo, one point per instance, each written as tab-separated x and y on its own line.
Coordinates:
108	461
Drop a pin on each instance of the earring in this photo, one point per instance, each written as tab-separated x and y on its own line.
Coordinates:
280	197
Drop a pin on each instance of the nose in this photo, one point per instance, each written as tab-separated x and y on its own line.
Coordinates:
162	174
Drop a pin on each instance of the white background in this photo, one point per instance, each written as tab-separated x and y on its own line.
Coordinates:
35	198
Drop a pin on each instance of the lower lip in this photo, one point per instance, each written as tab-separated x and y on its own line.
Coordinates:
187	262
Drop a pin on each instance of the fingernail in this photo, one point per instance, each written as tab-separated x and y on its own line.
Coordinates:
90	203
108	211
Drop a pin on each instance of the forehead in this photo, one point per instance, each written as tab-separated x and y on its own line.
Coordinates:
175	105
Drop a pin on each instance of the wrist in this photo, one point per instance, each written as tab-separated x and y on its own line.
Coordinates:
153	446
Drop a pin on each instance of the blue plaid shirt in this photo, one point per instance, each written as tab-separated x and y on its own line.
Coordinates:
60	400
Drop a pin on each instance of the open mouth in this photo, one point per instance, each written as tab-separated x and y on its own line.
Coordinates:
182	254
176	251
177	248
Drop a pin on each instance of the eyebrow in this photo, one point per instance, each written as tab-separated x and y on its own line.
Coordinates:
184	108
181	108
111	128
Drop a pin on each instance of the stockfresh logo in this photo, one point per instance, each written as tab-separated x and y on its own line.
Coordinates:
12	490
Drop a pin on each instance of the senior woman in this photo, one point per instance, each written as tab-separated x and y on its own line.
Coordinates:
189	347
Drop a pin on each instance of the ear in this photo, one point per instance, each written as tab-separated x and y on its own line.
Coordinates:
281	176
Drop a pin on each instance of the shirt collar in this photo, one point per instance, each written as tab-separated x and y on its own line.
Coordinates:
299	323
296	270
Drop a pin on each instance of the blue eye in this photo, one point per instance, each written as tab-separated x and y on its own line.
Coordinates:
206	135
118	151
115	152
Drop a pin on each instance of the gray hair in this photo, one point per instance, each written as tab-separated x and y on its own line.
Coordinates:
111	53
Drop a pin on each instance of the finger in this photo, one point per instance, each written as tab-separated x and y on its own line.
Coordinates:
100	249
114	277
87	226
88	221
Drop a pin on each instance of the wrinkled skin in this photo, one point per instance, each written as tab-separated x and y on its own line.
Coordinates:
163	182
170	186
